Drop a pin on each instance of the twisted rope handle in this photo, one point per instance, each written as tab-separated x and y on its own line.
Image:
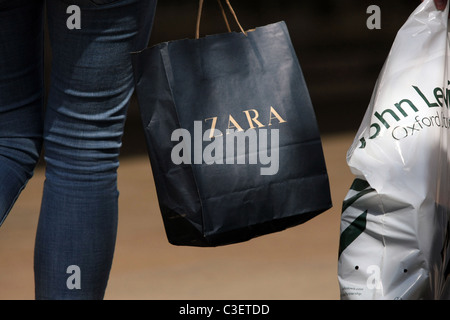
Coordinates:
199	16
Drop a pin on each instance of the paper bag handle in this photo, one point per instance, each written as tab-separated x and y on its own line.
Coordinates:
199	16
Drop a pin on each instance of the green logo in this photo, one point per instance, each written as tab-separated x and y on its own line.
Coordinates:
357	227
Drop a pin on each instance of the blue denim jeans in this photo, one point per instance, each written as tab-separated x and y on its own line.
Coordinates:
80	129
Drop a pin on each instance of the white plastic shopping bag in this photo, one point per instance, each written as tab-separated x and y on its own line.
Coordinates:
395	220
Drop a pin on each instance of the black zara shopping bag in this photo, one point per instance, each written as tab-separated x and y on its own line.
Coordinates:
232	136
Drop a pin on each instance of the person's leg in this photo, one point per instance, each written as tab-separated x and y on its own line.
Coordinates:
91	84
21	96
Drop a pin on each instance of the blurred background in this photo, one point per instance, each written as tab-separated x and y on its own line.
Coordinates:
341	59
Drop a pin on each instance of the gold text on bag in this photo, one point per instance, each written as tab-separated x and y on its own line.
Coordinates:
252	118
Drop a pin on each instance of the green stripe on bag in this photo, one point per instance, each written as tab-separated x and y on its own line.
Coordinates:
360	186
352	232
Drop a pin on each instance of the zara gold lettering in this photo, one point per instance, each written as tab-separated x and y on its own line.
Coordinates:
253	120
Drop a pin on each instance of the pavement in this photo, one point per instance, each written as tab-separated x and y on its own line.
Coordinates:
296	264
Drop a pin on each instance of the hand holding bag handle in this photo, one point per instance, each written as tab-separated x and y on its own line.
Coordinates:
200	9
